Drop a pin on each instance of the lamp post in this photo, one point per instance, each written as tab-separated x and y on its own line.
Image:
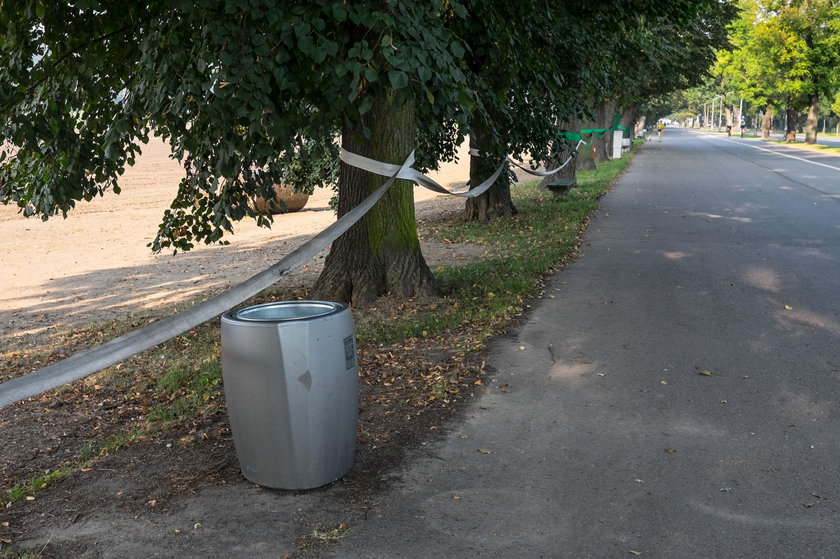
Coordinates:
712	114
712	124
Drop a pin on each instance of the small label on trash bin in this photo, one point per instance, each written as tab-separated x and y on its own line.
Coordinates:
349	352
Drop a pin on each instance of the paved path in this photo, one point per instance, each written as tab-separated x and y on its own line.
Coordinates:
679	396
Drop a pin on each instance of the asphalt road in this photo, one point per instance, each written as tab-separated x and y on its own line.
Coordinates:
679	395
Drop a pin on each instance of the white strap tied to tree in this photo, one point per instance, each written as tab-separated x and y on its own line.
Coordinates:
476	153
388	169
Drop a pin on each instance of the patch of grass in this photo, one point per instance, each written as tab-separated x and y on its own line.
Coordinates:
28	488
106	446
522	249
187	389
15	553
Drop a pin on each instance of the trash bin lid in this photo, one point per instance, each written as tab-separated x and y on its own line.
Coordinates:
286	310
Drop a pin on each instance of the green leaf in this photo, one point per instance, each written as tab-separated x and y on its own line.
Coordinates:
398	79
458	50
339	12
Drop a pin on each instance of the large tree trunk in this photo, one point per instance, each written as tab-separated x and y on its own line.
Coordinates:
604	149
640	125
495	203
628	116
767	122
599	142
381	253
790	123
585	160
813	118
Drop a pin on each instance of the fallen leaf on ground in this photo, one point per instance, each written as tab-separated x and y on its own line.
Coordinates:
706	373
788	308
485	451
670	450
634	552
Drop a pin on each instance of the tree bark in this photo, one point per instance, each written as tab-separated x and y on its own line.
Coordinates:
599	155
790	123
813	118
496	202
585	160
767	122
640	125
381	253
628	116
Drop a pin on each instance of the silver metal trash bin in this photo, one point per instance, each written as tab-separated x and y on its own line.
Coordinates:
292	389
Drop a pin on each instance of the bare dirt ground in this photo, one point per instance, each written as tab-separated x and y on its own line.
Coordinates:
95	264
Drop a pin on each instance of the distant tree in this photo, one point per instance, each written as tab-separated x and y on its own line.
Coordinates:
785	53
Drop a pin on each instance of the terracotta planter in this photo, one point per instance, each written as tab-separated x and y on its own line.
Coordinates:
287	201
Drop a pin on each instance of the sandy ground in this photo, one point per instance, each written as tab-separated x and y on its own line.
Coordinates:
96	264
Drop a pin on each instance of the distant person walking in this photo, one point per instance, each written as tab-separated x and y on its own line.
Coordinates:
660	126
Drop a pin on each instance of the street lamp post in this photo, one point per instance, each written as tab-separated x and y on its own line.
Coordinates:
712	114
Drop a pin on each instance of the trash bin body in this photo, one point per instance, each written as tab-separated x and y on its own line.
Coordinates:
292	390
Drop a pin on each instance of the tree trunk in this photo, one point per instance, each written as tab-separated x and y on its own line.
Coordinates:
585	160
599	142
381	253
495	203
628	116
813	118
606	110
640	125
767	122
790	123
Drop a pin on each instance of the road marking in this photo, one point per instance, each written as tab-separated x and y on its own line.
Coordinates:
780	153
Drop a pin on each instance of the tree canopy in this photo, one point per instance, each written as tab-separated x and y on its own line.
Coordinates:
785	55
246	92
236	87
